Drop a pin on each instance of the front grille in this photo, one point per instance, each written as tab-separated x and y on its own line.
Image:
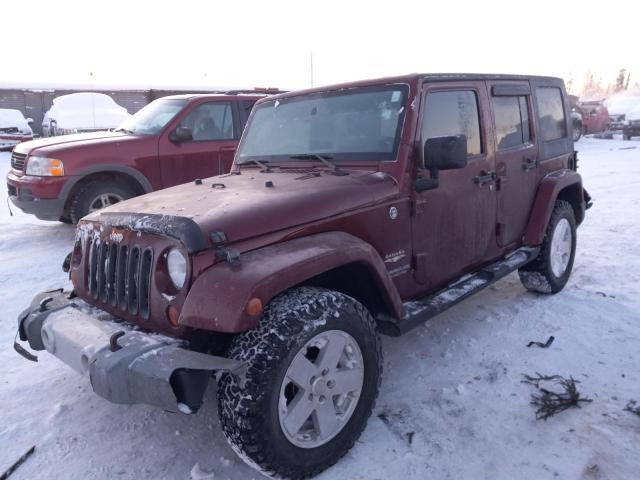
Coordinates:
120	275
10	130
18	161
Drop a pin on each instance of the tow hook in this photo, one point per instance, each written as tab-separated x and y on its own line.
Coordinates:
113	341
44	302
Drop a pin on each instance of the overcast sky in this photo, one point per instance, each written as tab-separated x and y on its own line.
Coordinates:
268	43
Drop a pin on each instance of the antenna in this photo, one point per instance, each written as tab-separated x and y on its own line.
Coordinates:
311	66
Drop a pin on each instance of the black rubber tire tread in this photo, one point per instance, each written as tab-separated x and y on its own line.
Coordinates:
80	201
537	276
246	413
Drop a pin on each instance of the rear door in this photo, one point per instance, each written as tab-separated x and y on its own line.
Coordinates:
215	129
454	224
516	158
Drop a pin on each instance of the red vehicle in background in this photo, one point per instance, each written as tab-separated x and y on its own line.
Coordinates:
171	141
595	116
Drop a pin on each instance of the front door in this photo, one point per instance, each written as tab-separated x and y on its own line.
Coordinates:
516	158
454	224
210	152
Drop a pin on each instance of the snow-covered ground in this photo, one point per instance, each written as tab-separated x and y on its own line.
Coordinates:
452	405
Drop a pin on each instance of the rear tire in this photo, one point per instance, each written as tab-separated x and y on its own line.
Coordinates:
551	269
98	194
297	428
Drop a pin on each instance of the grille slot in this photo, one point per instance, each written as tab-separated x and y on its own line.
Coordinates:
144	279
121	278
120	275
18	161
133	273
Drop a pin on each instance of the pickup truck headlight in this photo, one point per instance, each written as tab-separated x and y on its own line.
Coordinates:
45	167
177	267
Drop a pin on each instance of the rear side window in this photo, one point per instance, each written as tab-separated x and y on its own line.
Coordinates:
210	121
453	113
512	121
553	125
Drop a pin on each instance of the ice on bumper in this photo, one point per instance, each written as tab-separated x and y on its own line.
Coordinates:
125	365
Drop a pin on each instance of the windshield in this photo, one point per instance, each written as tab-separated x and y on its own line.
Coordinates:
355	124
151	119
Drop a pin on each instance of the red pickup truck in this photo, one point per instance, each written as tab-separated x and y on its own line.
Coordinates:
171	141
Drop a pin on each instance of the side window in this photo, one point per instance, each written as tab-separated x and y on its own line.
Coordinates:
210	121
512	121
453	113
553	124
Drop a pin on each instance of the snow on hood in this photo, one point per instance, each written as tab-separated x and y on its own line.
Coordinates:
86	110
245	207
14	118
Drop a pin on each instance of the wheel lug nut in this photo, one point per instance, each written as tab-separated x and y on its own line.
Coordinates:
325	371
331	383
321	399
311	396
313	379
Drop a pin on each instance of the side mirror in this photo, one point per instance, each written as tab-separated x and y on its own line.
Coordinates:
181	134
442	153
30	120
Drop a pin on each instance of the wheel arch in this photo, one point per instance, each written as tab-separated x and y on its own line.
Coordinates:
133	178
561	185
333	260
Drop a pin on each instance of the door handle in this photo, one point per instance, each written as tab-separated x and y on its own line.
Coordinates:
485	177
530	164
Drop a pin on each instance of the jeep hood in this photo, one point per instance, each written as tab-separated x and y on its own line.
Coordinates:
246	205
54	145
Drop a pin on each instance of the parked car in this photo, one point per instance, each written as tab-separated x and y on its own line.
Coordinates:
631	126
595	116
14	128
82	112
619	107
350	210
576	117
172	140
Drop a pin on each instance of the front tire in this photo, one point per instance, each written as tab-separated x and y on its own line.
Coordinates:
577	132
314	370
98	194
551	270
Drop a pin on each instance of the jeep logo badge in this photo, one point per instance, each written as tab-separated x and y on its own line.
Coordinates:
393	213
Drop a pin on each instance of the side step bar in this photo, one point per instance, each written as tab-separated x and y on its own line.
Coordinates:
421	310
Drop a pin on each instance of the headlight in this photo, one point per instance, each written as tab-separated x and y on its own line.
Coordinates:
45	167
177	267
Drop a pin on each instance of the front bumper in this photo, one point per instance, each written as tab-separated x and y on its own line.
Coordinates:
39	196
8	141
125	365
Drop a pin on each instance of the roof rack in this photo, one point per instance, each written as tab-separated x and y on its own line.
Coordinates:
260	90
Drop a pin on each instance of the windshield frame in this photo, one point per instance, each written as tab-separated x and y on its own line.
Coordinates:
185	103
337	157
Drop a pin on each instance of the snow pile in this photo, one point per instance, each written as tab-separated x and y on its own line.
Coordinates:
451	403
86	110
622	104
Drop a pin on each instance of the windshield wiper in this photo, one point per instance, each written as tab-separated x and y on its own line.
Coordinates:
324	159
125	130
262	164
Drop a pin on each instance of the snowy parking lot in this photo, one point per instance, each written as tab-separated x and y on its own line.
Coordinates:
452	404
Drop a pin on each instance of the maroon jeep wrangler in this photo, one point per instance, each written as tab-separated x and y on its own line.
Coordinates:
350	210
172	140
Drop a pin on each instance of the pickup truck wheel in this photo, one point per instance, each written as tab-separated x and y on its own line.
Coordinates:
550	271
96	195
314	369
